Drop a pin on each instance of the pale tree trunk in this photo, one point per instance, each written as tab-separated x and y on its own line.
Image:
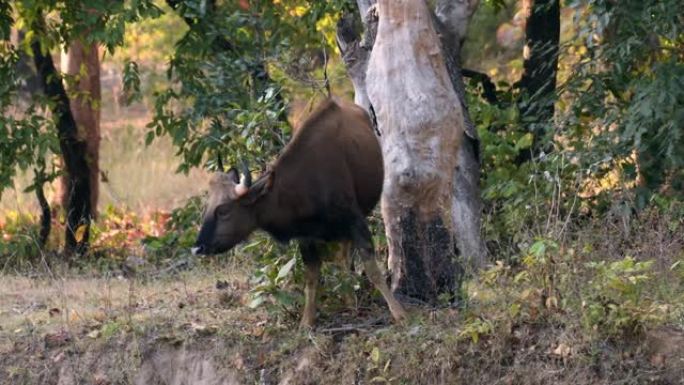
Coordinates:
420	118
82	62
453	18
412	239
355	52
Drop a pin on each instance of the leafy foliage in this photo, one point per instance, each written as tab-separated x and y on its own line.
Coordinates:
614	300
226	101
29	136
19	234
279	267
27	139
627	95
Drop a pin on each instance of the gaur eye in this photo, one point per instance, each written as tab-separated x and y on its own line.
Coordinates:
223	210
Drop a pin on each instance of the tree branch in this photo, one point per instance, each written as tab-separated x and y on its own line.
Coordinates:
488	87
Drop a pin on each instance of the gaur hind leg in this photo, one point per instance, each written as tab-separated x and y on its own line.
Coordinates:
312	271
362	242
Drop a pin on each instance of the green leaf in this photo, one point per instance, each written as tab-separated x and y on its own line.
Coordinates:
257	301
524	142
538	249
149	137
375	354
284	298
285	269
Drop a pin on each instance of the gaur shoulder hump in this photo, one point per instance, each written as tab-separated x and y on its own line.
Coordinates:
327	108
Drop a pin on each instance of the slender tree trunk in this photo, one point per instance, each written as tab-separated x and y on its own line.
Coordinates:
83	63
74	154
421	121
45	213
538	82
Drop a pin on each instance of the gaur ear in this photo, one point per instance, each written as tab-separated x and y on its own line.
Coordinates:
233	175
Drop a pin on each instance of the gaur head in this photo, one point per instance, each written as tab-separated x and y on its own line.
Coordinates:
229	217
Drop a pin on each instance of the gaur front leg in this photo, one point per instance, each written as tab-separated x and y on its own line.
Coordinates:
312	273
363	242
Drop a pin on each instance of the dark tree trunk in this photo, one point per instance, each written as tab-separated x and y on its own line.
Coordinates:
74	152
538	82
45	213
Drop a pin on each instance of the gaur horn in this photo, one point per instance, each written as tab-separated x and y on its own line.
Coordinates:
246	177
245	181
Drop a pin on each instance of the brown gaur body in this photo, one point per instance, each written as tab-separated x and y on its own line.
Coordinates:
320	189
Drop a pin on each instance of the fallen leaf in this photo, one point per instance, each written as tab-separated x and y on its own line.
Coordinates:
100	316
257	331
658	360
100	379
238	362
80	233
60	338
94	334
74	316
552	303
375	354
57	358
562	350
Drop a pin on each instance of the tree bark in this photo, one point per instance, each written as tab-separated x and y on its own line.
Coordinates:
451	21
355	43
45	213
538	82
421	121
74	154
85	108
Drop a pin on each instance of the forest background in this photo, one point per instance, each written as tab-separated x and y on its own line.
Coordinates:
581	188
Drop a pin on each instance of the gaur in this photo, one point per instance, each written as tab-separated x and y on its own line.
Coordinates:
320	189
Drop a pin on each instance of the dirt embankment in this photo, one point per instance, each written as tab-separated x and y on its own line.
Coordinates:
185	330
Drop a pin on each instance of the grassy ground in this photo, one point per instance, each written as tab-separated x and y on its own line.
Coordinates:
162	326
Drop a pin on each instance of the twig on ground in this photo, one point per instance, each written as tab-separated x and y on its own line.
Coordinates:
362	327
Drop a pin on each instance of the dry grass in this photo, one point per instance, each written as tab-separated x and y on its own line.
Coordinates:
108	330
55	301
135	177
